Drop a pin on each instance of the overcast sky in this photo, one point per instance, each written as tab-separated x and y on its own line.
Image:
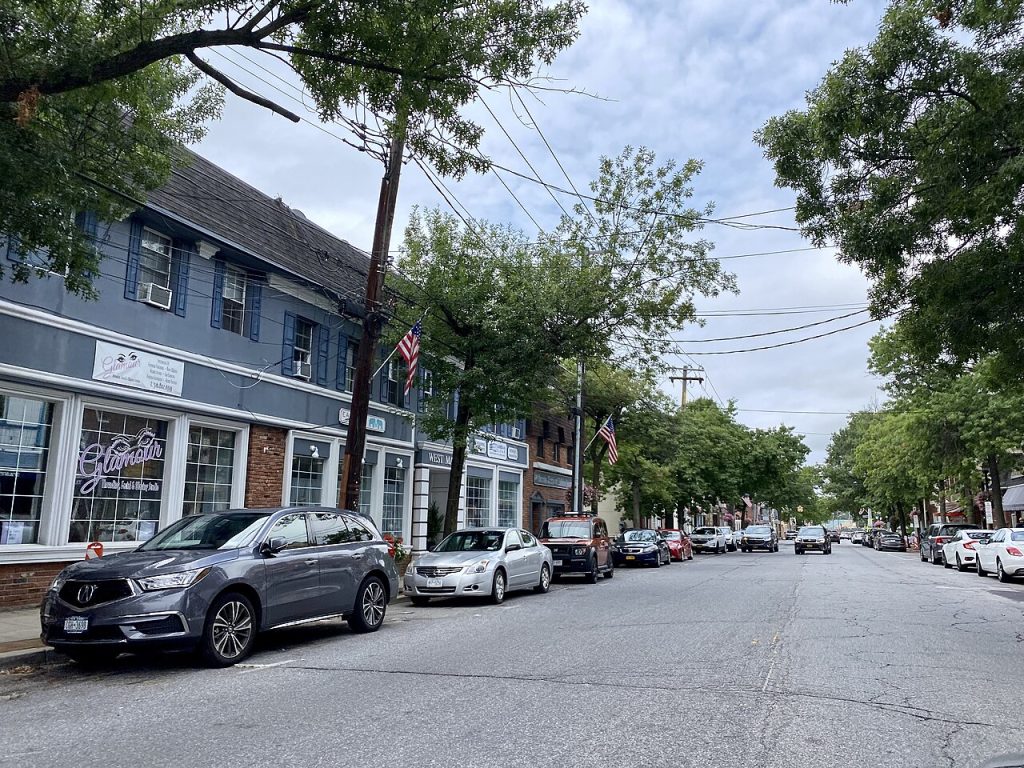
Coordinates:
688	80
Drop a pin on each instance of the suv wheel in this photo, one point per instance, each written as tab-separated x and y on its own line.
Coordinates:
230	630
593	573
611	569
545	580
371	605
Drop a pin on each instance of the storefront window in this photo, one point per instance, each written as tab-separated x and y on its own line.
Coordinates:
478	501
24	450
508	502
120	477
307	480
394	501
209	468
366	489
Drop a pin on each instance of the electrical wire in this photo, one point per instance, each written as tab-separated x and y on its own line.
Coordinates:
789	343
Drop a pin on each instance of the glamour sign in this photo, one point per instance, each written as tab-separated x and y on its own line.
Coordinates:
134	368
97	461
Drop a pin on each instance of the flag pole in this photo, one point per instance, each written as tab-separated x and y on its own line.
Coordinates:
592	439
388	358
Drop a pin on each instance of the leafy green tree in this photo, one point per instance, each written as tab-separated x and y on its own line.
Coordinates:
709	457
772	459
842	486
95	95
909	158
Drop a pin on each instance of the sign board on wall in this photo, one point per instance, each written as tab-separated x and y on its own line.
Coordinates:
373	423
134	368
551	480
496	450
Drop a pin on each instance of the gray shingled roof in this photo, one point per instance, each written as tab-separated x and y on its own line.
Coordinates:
204	194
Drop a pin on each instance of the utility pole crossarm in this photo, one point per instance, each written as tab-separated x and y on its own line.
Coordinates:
686	378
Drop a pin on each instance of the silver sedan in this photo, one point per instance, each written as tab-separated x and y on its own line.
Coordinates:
480	562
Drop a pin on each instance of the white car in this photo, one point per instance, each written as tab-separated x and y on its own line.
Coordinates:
731	540
707	539
1002	554
962	548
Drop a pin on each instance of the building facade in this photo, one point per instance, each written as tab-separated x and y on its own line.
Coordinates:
548	489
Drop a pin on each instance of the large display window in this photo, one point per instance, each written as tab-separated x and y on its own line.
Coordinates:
120	476
25	425
209	470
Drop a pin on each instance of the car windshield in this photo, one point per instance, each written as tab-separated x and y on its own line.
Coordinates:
566	529
472	541
758	529
706	532
638	536
217	531
812	531
672	535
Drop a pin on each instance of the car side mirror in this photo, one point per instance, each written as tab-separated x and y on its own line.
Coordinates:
274	544
513	547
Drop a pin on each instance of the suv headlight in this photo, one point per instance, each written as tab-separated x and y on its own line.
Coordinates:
60	580
479	567
579	551
172	580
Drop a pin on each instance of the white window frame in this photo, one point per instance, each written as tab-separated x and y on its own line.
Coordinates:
168	255
301	354
239	279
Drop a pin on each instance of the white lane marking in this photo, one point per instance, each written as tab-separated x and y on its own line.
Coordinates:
256	667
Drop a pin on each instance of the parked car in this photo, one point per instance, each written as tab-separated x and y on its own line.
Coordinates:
869	537
937	535
790	534
961	549
708	539
834	536
890	540
579	544
857	537
759	537
845	534
214	581
813	538
480	562
1002	554
642	546
731	541
678	544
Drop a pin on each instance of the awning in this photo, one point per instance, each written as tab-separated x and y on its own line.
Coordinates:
1013	498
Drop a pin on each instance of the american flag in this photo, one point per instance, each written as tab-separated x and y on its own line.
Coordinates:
409	348
607	433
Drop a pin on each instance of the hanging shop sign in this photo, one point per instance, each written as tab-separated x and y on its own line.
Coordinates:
373	423
141	370
496	450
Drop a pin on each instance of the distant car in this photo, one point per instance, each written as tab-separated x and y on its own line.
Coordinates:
480	562
212	582
890	540
1002	554
813	538
708	539
790	534
759	537
845	534
834	536
961	550
579	544
642	546
731	541
856	537
678	544
937	535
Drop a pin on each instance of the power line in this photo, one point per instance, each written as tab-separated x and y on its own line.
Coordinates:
763	333
788	343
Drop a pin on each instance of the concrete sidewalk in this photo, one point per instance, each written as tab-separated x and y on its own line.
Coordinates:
19	639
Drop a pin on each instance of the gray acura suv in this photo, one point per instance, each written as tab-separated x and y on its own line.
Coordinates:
212	582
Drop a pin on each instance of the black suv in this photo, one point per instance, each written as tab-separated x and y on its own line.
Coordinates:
937	535
813	537
759	537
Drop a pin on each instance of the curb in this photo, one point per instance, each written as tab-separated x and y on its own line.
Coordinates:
33	657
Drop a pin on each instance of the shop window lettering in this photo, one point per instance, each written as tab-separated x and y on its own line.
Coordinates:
96	461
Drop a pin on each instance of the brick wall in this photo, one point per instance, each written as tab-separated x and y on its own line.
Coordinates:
22	585
559	433
264	479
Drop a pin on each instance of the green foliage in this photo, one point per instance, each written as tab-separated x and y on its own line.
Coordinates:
94	96
910	159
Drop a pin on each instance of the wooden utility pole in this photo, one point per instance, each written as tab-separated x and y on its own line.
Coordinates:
685	378
373	321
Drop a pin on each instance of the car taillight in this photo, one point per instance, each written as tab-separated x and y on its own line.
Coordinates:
1014	551
940	539
969	545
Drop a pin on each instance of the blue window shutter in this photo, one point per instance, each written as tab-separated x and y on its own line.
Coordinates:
323	352
288	347
9	244
182	262
86	221
217	308
384	383
342	360
131	275
254	298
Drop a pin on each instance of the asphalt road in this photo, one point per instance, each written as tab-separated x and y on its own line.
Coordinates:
856	659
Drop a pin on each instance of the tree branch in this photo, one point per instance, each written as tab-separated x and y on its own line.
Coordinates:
343	59
238	90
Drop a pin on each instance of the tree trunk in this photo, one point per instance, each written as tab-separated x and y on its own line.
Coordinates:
636	504
903	518
942	501
451	511
998	517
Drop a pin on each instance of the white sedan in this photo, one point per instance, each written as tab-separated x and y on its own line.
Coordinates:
962	548
1002	554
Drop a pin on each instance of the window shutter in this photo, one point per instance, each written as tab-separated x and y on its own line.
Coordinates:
384	383
254	298
217	310
342	360
182	262
323	352
131	275
86	221
10	244
288	346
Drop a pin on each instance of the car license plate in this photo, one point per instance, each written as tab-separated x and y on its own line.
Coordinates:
558	563
76	624
631	557
434	582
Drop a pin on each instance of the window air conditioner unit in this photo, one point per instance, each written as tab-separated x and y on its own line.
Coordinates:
302	370
155	295
517	433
